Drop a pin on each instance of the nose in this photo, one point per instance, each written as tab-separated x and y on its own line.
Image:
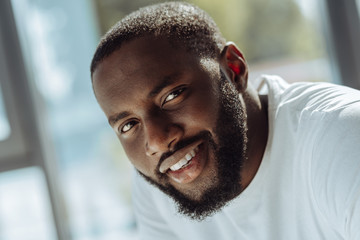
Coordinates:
161	135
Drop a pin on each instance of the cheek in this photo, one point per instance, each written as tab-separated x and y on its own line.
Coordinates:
204	110
137	156
201	117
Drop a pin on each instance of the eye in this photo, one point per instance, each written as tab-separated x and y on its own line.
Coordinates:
127	126
174	94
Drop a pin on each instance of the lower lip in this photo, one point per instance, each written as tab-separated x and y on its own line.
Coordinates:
192	170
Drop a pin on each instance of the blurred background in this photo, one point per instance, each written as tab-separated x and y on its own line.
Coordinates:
63	173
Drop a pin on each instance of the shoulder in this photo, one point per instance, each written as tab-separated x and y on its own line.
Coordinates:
333	115
314	105
320	96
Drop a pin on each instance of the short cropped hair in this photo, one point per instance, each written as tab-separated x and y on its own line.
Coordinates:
183	24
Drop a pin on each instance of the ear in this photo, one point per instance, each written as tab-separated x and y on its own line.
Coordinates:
234	66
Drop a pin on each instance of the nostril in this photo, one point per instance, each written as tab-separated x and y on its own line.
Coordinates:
171	143
160	138
150	151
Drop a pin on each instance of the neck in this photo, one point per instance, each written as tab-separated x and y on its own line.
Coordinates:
257	120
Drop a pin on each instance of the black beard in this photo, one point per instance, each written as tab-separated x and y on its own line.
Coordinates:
230	153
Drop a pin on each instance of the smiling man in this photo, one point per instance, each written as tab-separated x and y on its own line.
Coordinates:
244	165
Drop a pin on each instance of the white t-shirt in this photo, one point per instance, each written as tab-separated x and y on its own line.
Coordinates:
308	183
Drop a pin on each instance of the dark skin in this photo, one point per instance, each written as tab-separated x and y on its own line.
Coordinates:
156	95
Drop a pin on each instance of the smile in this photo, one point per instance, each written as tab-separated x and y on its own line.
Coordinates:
185	160
179	158
185	165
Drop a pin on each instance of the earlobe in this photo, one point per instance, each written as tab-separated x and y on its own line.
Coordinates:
234	66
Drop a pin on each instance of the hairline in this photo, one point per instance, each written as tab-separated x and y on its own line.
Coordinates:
175	43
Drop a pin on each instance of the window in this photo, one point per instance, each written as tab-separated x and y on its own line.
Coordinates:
25	208
58	39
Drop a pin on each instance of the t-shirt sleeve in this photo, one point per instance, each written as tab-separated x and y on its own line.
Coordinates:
150	223
335	171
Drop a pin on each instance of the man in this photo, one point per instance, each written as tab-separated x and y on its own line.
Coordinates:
235	164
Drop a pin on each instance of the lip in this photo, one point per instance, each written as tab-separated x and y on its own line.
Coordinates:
192	170
174	158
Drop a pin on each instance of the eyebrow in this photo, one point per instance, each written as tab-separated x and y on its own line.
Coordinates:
166	81
113	119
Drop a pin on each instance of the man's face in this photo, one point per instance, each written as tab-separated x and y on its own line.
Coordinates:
180	122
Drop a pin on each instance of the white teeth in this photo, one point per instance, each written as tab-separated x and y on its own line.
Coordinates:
179	164
184	160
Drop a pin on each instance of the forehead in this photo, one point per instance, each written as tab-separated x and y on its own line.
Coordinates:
138	66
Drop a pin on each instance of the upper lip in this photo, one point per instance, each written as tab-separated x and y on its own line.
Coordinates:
175	157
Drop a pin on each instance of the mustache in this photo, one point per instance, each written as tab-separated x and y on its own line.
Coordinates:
203	135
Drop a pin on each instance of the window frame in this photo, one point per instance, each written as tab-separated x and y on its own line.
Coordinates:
28	143
341	23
